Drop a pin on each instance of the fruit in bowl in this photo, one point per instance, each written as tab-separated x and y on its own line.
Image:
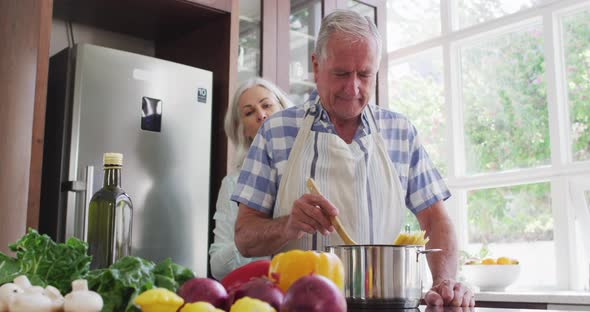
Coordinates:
491	274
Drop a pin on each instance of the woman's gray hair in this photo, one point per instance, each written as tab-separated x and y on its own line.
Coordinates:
353	25
234	128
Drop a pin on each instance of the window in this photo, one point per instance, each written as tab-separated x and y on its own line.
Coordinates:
473	12
576	50
580	196
419	80
409	22
515	222
499	91
504	101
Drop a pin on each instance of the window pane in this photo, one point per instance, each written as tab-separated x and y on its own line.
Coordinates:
363	9
416	89
249	45
304	23
472	12
576	37
410	22
411	221
504	101
515	222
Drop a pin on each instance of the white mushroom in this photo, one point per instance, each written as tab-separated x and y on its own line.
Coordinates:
22	281
7	293
57	300
35	290
10	290
81	299
33	299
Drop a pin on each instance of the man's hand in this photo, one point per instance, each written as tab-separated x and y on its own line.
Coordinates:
450	293
448	309
443	265
257	234
310	214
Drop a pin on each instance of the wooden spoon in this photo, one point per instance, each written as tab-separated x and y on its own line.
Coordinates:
312	187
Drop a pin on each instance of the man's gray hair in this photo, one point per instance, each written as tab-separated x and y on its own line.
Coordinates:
233	125
353	25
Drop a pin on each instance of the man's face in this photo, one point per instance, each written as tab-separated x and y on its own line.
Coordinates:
346	78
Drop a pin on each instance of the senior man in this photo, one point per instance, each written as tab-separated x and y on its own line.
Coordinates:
367	161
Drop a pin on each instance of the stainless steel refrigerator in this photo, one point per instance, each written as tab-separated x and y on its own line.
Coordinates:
158	115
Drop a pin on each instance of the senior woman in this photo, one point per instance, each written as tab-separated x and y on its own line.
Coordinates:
254	101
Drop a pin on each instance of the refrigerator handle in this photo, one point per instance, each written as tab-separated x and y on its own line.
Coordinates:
88	197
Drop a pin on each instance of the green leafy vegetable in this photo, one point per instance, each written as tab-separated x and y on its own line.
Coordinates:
129	276
170	275
45	262
9	269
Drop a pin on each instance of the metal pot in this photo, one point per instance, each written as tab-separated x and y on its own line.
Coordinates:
382	276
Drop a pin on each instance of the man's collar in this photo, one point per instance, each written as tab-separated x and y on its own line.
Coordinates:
316	108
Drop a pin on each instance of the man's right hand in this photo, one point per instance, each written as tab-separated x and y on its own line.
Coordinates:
257	234
310	214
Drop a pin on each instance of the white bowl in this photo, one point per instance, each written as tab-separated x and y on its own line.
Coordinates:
491	277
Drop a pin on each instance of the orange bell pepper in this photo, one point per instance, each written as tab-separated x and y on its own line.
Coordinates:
287	267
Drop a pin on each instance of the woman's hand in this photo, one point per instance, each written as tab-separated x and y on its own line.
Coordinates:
450	293
310	214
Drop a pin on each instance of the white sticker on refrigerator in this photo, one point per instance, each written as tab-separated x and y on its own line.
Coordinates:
202	95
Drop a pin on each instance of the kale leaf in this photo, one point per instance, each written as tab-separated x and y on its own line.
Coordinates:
46	262
130	276
9	269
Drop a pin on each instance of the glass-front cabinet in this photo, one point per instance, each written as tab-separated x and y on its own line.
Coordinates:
368	9
305	19
250	39
277	39
363	8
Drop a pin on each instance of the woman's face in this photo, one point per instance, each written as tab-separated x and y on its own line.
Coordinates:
255	105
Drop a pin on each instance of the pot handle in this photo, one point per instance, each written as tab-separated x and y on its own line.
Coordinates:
425	252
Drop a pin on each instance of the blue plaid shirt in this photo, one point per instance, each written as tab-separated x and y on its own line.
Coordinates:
265	164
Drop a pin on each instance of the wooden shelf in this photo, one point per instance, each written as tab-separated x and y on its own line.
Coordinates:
151	20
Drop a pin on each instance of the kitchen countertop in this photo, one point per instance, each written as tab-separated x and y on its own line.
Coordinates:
451	309
549	297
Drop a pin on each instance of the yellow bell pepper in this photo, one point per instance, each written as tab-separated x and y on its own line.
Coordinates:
159	300
200	306
287	267
247	304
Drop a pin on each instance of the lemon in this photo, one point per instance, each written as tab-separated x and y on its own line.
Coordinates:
199	306
247	304
504	260
159	300
514	261
488	261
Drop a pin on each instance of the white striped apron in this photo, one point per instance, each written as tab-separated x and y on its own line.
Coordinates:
358	179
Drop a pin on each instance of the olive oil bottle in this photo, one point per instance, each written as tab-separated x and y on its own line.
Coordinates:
110	216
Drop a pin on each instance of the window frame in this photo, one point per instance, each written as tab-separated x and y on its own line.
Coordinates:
561	170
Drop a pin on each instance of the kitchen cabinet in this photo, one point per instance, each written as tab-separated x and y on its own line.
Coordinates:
24	29
250	40
278	41
199	33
